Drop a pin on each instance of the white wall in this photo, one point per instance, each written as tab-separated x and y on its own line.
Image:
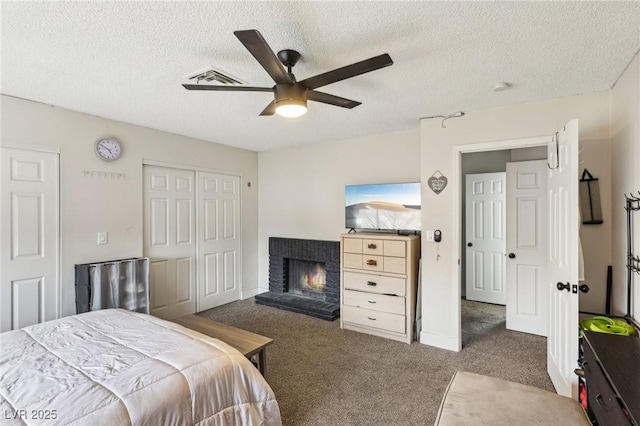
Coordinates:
440	306
595	156
91	205
625	116
302	188
529	154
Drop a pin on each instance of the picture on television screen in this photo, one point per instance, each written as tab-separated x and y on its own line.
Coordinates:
390	206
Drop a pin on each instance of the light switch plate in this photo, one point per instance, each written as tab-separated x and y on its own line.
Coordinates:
430	235
102	237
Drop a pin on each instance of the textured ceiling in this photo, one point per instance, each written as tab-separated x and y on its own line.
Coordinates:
126	60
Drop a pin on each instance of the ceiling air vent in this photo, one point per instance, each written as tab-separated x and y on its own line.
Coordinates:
215	76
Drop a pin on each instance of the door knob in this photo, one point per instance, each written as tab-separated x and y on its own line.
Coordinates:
469	244
584	288
566	286
512	255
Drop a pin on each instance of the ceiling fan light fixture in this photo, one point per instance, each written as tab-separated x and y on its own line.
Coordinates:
290	100
291	108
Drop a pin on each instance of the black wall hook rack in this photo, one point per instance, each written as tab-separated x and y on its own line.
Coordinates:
590	199
632	204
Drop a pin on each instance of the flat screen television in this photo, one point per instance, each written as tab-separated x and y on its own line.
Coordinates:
383	207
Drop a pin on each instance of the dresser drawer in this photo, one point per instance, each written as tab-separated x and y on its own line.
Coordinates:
372	263
374	319
395	248
352	245
375	302
351	260
373	247
374	283
396	265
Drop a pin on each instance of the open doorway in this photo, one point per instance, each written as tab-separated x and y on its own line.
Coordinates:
483	278
562	264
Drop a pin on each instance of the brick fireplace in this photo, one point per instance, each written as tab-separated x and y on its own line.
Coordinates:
304	277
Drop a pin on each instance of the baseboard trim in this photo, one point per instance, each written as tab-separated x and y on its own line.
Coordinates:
246	294
438	341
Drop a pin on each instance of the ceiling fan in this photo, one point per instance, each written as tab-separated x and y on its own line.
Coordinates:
290	96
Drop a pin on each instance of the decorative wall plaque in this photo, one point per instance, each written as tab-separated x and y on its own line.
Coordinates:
590	199
437	182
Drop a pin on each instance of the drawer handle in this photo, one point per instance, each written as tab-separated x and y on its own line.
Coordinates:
372	301
372	284
372	246
372	262
599	399
372	319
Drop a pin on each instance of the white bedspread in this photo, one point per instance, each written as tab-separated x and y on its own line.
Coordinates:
116	367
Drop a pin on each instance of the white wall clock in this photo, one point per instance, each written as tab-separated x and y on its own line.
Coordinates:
108	149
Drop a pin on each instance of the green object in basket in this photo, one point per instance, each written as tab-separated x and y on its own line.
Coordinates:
601	324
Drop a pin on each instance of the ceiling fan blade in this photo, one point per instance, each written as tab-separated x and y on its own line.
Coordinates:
256	44
227	88
349	71
270	109
326	98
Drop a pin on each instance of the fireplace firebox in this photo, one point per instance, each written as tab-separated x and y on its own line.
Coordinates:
304	277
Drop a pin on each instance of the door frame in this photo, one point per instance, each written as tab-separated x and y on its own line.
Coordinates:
50	150
147	162
458	220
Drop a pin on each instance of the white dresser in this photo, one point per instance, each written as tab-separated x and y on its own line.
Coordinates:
379	274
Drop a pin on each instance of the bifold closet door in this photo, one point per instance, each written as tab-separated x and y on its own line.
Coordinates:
170	240
218	239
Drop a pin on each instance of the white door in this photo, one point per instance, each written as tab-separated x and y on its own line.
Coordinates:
527	290
562	343
218	239
170	240
30	237
486	239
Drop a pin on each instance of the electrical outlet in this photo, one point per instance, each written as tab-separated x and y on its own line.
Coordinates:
102	238
430	235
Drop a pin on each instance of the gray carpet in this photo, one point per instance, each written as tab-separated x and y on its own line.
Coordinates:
322	375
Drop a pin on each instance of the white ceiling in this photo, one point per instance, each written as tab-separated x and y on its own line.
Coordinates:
126	61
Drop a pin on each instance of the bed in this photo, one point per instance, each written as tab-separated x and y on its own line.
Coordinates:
119	367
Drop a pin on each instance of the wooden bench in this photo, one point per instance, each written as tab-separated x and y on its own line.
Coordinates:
248	343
